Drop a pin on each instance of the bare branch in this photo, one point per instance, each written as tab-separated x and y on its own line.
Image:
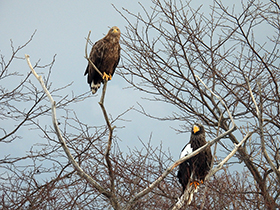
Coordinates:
81	173
115	202
260	119
220	165
220	99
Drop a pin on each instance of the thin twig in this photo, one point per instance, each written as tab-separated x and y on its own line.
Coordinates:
220	99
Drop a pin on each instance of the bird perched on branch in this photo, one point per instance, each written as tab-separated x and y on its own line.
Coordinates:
193	171
105	55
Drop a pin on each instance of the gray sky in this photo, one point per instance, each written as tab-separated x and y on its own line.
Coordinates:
61	29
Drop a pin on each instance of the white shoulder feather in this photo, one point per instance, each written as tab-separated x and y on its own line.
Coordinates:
186	150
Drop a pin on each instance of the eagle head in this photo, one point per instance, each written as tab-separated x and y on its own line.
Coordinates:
197	129
115	31
114	34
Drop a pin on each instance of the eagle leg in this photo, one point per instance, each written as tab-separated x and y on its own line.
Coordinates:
106	76
195	183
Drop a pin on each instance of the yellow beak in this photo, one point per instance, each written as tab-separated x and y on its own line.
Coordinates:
195	129
115	31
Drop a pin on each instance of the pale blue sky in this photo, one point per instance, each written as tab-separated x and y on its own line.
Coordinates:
61	29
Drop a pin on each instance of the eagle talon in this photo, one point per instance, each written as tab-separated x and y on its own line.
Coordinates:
195	183
106	76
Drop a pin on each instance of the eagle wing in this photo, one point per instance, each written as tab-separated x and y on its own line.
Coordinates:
203	164
96	57
185	168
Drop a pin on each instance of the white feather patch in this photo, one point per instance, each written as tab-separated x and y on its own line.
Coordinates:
186	150
94	87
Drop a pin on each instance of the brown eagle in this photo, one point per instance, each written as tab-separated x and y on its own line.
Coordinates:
194	170
105	55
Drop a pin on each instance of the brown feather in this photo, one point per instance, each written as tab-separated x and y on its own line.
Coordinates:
105	54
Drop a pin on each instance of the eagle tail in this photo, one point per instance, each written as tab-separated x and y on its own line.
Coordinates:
94	87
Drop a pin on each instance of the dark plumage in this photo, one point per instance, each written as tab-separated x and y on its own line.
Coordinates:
105	54
194	170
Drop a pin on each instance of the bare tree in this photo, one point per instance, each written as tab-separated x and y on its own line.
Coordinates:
173	42
23	108
210	68
113	176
